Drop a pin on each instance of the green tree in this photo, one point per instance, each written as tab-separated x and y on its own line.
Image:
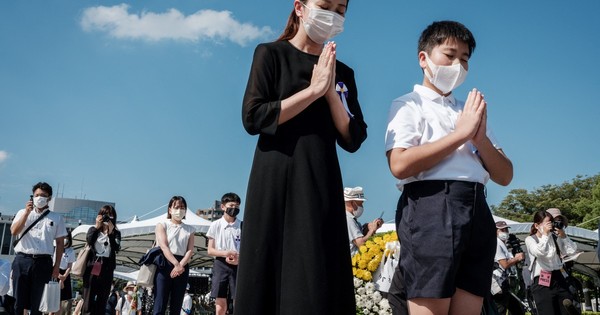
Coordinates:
578	200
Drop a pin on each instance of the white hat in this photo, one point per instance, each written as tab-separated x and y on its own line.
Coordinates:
555	212
355	193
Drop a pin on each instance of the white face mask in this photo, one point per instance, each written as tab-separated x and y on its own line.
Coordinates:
445	78
503	236
359	211
40	202
177	214
321	25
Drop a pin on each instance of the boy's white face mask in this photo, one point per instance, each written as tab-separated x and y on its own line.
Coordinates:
445	78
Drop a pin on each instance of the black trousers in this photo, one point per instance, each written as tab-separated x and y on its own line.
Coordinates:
96	289
166	287
549	300
30	274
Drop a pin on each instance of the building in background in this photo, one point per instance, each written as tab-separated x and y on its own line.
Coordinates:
78	211
211	214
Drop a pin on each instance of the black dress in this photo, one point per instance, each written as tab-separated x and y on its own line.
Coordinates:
294	256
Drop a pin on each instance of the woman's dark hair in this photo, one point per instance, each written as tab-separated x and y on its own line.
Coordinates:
43	186
172	201
438	32
69	240
538	217
110	212
293	24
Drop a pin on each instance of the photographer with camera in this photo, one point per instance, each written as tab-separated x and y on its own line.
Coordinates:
503	261
104	240
546	244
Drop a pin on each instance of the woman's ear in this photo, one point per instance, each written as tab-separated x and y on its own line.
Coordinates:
298	8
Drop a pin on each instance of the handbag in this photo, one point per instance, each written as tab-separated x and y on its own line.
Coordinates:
385	273
145	277
78	268
148	263
50	302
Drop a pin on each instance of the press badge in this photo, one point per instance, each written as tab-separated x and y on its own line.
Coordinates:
545	277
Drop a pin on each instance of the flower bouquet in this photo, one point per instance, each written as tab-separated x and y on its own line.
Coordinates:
366	263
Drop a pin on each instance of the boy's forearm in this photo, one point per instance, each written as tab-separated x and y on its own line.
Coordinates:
496	163
412	161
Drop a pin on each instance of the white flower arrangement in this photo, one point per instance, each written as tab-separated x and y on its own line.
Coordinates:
369	301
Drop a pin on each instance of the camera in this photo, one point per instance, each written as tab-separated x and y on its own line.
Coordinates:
105	218
558	225
514	244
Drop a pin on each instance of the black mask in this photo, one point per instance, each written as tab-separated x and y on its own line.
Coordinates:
232	212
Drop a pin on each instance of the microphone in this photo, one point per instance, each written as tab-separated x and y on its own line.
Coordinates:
568	304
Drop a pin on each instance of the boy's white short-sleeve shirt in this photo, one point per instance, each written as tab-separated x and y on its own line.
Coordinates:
227	235
423	116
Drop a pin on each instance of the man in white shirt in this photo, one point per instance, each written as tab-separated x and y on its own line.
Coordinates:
124	306
505	260
224	236
354	199
32	267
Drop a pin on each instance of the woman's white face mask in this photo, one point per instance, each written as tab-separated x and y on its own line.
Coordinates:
321	25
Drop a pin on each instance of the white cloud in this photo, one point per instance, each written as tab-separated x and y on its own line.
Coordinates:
3	156
170	25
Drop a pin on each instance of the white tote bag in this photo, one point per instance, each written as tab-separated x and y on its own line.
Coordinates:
384	279
50	298
385	273
145	277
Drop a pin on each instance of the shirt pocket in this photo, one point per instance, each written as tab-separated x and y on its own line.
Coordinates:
49	229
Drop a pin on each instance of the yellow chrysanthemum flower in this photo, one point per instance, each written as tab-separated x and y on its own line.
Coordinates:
363	249
373	265
367	276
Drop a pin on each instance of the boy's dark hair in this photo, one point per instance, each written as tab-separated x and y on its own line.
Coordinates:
43	186
438	32
230	197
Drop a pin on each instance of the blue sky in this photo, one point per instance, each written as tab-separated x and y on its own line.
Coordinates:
134	102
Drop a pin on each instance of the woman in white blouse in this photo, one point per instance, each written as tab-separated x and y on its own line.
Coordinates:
176	240
546	244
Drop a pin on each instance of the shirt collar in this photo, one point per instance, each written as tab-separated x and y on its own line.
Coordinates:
350	215
433	95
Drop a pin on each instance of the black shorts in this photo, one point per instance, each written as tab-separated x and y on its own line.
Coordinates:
448	238
223	279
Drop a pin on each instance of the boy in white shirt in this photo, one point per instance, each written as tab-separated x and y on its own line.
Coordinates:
224	236
443	154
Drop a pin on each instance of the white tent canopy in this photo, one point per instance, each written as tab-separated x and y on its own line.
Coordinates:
138	236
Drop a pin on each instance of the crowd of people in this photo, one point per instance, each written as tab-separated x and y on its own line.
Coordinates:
289	255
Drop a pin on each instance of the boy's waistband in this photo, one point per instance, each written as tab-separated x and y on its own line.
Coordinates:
447	186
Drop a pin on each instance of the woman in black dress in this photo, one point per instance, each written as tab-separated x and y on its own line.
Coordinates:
294	255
